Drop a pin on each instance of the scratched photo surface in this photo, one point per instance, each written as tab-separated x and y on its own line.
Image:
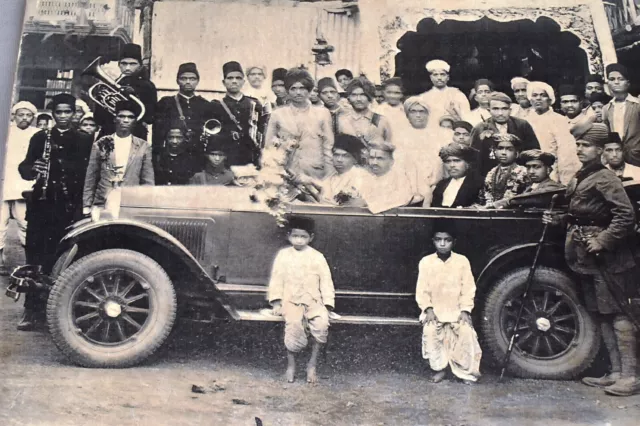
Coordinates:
321	212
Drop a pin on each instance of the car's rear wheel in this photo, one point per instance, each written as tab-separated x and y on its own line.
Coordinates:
556	338
112	308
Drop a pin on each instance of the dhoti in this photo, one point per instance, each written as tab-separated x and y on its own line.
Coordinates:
301	319
454	344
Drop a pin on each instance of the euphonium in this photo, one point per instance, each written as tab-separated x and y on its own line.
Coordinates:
106	92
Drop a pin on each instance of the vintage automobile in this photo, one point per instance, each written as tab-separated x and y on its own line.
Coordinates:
205	253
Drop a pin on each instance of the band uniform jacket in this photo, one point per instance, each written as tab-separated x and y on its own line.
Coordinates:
138	171
467	194
600	199
243	149
144	90
631	136
174	169
515	126
67	165
196	111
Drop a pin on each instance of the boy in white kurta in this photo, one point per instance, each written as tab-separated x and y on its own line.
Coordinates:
301	290
445	293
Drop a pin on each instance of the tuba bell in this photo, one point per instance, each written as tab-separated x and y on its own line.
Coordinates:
106	92
211	127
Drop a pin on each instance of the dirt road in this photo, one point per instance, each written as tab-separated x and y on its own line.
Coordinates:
373	376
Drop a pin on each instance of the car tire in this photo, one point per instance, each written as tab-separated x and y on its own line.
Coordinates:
111	309
539	350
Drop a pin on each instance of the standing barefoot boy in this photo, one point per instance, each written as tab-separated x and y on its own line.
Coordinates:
301	290
445	293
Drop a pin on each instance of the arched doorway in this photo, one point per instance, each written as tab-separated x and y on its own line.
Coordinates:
486	48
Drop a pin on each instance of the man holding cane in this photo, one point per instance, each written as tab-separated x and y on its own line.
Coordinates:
600	223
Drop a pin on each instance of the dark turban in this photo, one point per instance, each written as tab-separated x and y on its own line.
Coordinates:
349	143
188	67
362	83
603	98
617	67
598	134
299	222
614	138
459	150
595	78
463	124
512	139
131	51
232	66
299	75
344	72
63	98
128	105
536	154
278	75
568	90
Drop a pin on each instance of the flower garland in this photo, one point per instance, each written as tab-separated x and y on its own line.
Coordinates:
106	145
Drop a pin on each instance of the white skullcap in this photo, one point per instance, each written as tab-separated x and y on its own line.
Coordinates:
540	85
519	80
24	105
82	104
437	64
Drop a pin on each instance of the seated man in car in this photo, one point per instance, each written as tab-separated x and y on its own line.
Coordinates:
462	187
539	166
387	187
216	171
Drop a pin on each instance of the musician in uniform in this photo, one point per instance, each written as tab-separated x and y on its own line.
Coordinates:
241	117
133	81
57	159
187	109
175	164
600	223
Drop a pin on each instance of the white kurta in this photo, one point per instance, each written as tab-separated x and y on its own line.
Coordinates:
630	171
441	100
395	115
552	130
477	116
350	182
388	191
16	151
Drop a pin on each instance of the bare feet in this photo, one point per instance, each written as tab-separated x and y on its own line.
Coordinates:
438	377
311	375
291	374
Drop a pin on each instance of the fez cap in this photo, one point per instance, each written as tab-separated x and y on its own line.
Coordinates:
614	137
499	138
188	67
344	71
131	51
455	149
619	68
437	64
598	134
594	78
536	154
500	97
463	124
63	98
24	105
568	90
278	75
300	222
231	66
326	82
603	98
128	105
349	143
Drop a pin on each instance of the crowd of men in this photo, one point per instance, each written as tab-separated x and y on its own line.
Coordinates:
348	142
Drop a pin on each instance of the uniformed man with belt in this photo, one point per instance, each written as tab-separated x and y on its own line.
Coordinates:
176	164
185	108
600	226
57	160
241	117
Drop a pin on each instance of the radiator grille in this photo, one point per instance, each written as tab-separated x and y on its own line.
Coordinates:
190	232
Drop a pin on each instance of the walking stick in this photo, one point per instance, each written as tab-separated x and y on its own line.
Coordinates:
525	295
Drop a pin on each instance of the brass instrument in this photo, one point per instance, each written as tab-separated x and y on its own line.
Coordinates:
46	157
210	128
106	92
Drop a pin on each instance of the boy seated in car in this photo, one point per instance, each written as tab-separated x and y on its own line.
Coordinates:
507	179
215	170
445	292
301	290
539	166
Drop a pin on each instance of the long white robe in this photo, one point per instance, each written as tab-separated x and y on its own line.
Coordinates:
388	191
440	100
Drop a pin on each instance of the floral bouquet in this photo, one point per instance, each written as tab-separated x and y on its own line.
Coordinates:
116	175
345	196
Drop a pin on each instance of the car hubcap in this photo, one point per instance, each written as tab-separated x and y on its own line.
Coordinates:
111	307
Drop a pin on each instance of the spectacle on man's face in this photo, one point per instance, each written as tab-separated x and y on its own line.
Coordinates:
256	78
188	81
613	155
456	167
23	118
439	78
329	96
537	171
393	95
380	161
129	66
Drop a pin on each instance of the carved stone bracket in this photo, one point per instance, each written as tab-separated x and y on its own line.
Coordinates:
575	19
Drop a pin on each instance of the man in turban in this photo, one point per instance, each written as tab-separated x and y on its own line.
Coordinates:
600	223
442	99
553	131
522	107
622	114
241	117
462	186
13	204
187	109
539	166
257	75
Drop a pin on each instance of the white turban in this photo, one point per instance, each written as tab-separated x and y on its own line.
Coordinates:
24	105
415	100
518	80
82	104
437	64
539	85
260	67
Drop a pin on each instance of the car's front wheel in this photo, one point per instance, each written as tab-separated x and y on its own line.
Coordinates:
111	309
556	338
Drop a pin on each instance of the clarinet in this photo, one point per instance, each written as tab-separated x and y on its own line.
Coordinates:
46	157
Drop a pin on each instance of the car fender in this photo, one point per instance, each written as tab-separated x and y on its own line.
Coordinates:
83	231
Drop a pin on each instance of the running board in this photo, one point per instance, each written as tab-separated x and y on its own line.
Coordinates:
262	315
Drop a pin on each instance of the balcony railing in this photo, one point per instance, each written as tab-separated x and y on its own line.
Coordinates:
622	14
91	17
